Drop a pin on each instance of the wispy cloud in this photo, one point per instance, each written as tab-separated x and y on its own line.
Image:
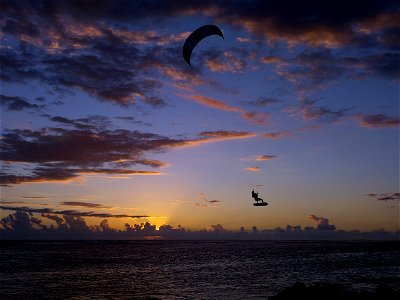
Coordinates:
256	117
84	204
377	120
276	135
22	203
14	103
70	212
214	103
262	102
385	196
253	169
311	111
265	157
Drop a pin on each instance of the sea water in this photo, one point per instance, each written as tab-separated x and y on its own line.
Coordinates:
188	269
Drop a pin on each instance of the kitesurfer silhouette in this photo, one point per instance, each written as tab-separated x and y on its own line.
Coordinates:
255	196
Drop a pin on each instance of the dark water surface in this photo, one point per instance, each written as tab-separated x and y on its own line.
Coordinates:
188	269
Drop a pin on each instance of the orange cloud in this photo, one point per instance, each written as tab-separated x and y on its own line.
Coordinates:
214	103
256	117
276	135
117	172
253	169
265	157
216	136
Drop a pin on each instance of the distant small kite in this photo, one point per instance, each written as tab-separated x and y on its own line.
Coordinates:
196	36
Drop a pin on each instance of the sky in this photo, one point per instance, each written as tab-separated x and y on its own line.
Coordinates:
104	125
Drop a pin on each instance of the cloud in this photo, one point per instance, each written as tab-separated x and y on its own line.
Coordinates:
265	157
224	135
314	70
208	202
100	77
271	59
322	223
262	102
89	146
385	196
377	120
313	112
253	169
276	135
98	50
85	149
14	103
133	120
74	213
314	24
22	202
214	103
258	118
83	204
218	228
200	201
24	225
233	61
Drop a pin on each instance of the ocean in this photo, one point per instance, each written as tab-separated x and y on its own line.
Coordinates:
189	269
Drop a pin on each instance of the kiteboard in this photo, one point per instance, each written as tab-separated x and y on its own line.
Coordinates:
260	204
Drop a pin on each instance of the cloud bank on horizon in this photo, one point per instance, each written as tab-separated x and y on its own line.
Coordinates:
23	225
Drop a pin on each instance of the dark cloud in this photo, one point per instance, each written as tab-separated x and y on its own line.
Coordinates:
311	111
74	213
83	204
103	79
377	120
81	147
132	120
212	201
328	24
14	103
315	69
24	225
322	223
89	147
21	221
262	102
39	175
22	202
311	70
386	196
385	65
206	202
97	49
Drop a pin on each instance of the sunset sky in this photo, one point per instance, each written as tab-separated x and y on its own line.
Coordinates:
101	117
